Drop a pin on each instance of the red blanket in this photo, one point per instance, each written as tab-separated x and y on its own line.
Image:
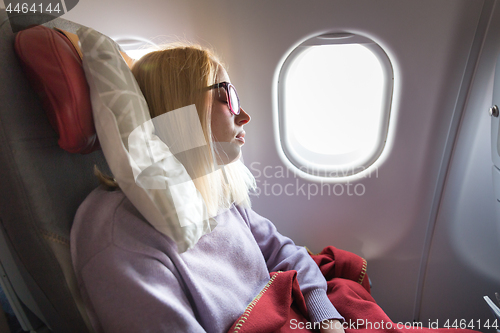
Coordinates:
280	306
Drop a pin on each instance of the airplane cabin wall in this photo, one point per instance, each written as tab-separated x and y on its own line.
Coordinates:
464	259
432	46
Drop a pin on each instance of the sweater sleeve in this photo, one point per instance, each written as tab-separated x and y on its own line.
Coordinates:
131	292
281	254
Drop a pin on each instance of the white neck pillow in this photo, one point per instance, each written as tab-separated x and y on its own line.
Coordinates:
144	165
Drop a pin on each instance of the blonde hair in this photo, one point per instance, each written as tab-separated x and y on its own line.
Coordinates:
177	76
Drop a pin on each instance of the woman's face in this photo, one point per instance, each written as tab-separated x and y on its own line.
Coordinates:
227	128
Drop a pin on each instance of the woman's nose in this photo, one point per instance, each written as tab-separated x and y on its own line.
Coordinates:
243	118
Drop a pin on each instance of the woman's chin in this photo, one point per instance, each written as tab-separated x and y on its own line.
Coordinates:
227	152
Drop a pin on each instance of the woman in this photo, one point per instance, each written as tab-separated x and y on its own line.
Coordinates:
131	276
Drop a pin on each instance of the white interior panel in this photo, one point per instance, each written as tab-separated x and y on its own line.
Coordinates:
464	260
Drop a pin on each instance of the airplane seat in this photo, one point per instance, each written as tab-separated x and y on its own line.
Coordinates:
41	187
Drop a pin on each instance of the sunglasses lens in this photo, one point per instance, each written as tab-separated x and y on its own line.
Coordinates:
235	102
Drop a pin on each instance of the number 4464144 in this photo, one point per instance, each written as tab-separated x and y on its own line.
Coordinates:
472	324
25	8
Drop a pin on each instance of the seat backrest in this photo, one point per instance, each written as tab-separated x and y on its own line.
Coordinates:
41	187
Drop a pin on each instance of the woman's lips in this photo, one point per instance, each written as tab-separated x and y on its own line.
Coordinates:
241	137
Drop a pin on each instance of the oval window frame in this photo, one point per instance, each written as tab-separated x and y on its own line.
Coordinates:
329	166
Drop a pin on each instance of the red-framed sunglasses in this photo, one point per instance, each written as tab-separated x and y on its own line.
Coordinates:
231	94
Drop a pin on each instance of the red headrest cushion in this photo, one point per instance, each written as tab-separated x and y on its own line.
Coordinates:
54	69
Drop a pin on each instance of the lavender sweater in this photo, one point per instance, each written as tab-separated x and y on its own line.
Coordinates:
133	280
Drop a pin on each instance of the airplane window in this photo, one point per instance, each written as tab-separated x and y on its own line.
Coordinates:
334	96
138	54
136	47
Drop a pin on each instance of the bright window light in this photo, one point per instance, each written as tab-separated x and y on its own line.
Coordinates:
334	103
138	54
136	47
334	96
